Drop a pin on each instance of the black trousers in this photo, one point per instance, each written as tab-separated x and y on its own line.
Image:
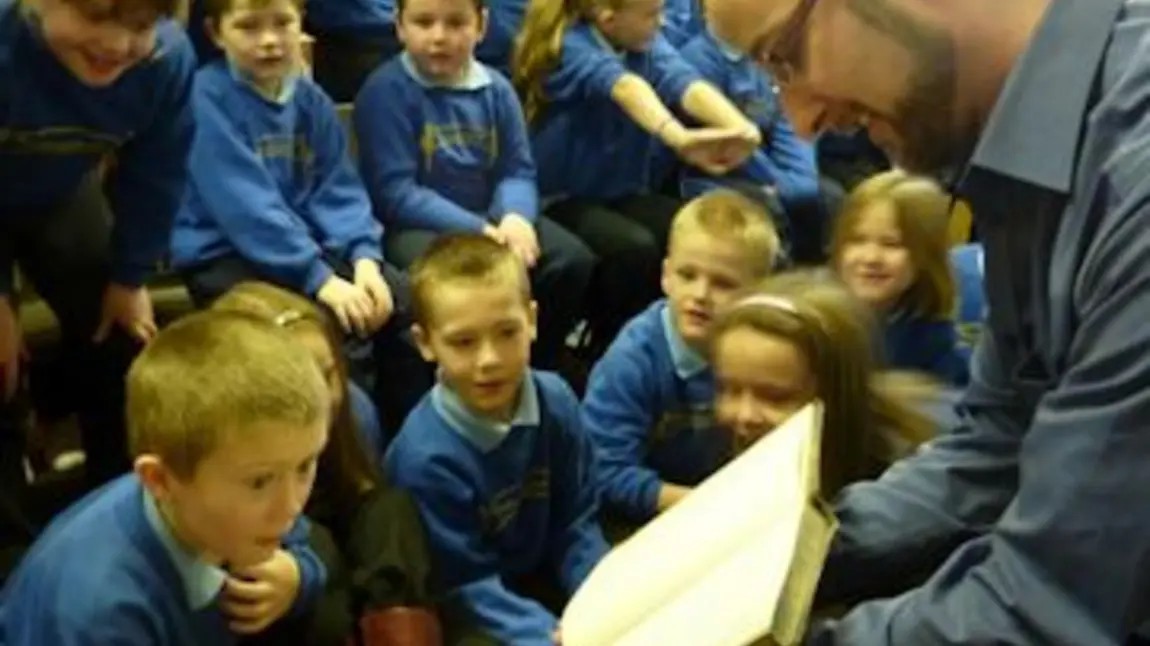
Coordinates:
387	365
64	251
629	236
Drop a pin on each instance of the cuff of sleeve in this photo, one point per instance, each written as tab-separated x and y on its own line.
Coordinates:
312	579
366	250
317	275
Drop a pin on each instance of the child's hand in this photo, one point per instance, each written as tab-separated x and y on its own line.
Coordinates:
370	280
494	233
520	236
131	309
350	304
713	150
255	597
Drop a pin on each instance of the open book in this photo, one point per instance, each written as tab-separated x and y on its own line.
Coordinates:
734	564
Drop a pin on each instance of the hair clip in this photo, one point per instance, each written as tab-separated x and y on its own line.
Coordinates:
288	317
768	300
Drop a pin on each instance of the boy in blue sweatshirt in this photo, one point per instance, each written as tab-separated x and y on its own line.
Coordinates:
443	148
649	399
783	169
82	88
495	455
203	542
273	195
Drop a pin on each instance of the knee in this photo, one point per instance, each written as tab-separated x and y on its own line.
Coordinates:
569	264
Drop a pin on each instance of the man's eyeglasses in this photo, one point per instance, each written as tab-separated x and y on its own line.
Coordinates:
781	60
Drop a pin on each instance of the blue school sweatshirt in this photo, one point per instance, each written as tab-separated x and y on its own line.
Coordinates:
784	161
503	500
682	21
361	19
442	157
967	263
54	131
504	20
366	417
584	143
272	182
912	342
649	411
108	571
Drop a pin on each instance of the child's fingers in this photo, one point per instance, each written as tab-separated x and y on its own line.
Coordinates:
247	592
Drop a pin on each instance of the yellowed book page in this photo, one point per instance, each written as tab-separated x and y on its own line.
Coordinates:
753	500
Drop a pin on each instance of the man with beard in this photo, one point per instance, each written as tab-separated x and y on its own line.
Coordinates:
1028	512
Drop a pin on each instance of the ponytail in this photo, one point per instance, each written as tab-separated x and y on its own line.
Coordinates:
538	48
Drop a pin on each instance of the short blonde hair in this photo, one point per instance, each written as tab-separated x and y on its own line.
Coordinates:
728	215
922	211
213	373
463	258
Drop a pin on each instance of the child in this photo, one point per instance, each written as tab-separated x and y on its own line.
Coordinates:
376	529
227	416
648	401
800	336
81	87
505	18
598	83
890	249
495	454
784	168
273	196
967	263
444	149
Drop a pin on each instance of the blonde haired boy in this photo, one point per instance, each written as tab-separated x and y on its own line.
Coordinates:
649	399
204	541
494	454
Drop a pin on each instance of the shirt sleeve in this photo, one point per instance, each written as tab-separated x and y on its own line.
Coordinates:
1059	557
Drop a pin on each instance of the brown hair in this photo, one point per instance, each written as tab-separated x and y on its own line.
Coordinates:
216	373
922	211
215	10
728	215
869	416
472	258
539	45
344	469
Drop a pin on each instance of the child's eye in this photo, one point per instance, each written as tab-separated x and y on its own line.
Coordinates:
307	467
260	482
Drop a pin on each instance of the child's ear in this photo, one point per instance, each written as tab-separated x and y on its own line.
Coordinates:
154	475
665	278
484	16
212	29
533	319
604	17
423	343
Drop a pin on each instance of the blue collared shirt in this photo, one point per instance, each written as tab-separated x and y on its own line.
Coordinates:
484	432
1037	495
475	77
688	362
202	581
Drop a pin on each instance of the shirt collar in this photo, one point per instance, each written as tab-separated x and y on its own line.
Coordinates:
286	92
202	581
1033	131
484	432
475	78
688	362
